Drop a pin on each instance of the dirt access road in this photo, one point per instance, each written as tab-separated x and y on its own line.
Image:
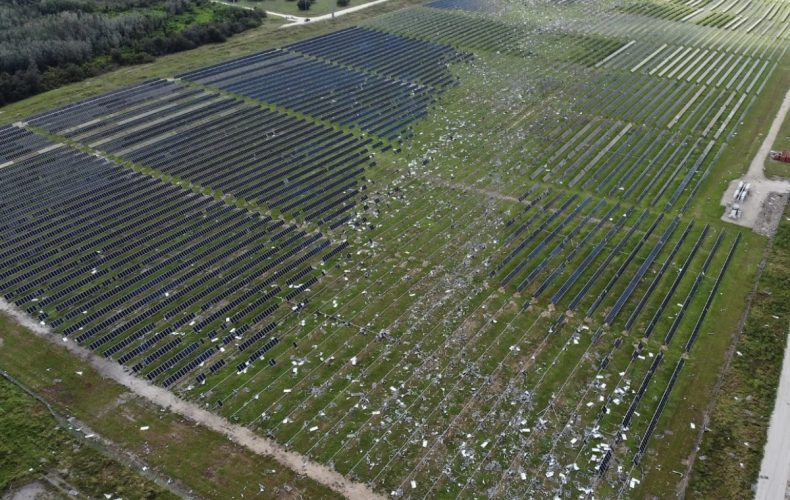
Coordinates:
169	401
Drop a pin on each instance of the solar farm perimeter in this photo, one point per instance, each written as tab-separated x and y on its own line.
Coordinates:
465	249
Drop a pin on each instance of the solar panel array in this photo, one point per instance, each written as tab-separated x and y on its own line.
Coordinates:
141	270
83	113
386	54
16	144
322	90
184	288
454	29
470	5
300	168
358	77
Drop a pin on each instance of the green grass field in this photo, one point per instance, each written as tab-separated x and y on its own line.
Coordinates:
36	447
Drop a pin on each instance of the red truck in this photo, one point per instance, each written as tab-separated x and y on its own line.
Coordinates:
781	156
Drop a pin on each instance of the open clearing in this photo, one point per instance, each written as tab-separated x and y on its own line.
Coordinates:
461	249
758	212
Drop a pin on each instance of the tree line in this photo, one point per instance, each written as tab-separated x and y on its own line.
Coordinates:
47	43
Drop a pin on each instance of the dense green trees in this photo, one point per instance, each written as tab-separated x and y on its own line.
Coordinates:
46	43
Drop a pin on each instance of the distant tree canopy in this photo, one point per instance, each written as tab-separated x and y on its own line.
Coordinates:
47	43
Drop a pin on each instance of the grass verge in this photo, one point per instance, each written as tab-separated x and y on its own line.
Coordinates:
729	459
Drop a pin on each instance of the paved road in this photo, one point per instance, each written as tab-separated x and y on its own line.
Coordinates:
775	469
